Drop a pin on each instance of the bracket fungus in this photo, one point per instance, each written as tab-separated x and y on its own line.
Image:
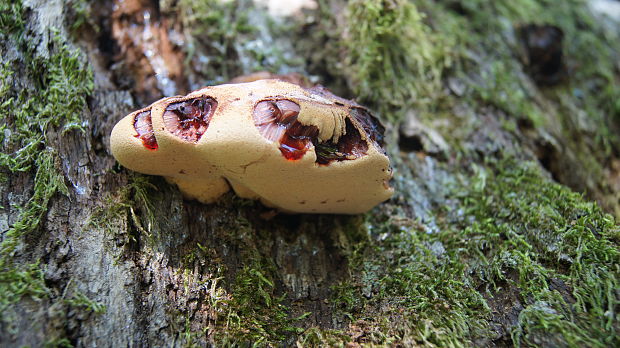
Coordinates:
296	149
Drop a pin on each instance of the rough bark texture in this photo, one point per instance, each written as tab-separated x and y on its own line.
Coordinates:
482	245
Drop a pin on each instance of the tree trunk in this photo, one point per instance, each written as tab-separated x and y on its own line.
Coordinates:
503	135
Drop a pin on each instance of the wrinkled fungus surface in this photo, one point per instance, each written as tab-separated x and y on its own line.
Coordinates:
277	121
189	119
144	128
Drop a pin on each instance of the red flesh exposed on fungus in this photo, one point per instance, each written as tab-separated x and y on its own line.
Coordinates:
297	141
277	121
143	125
189	119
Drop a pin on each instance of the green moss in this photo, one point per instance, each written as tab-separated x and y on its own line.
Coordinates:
131	202
424	288
141	189
55	97
590	52
232	38
255	313
11	18
58	343
518	231
516	234
47	182
583	107
16	283
406	287
247	308
27	280
394	58
545	234
346	299
504	90
315	337
79	14
82	301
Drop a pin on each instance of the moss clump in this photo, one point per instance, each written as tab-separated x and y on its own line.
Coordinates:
11	18
227	39
250	313
247	308
47	182
581	111
503	89
518	222
394	58
515	234
590	51
16	283
399	56
347	299
58	343
80	300
131	203
55	96
315	337
255	313
417	288
79	13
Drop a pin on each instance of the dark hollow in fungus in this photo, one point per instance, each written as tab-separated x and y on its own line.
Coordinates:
144	127
276	120
189	119
349	147
371	125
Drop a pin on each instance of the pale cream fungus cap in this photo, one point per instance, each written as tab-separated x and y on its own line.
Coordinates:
299	150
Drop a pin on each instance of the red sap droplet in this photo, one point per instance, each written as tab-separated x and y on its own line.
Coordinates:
150	143
293	149
144	128
277	122
291	153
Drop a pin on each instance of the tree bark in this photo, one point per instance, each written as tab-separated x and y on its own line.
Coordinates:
483	244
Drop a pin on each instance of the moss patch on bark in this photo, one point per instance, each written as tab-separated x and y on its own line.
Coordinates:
54	97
